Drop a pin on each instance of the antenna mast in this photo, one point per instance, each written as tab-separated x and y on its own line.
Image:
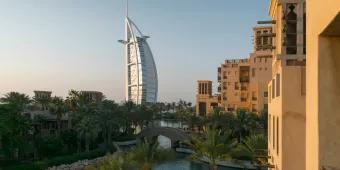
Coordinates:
127	8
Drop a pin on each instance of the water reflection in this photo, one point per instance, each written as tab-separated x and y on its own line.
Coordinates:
182	164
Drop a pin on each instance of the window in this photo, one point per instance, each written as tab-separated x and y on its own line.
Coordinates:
269	127
278	85
274	130
236	86
291	30
254	60
269	90
260	68
277	135
253	72
265	94
273	88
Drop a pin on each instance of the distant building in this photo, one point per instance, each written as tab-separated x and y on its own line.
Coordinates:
243	82
141	72
287	89
234	80
92	96
42	94
205	101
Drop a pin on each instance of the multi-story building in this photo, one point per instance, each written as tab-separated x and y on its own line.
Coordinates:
323	82
243	82
141	72
93	96
205	101
287	89
233	78
260	62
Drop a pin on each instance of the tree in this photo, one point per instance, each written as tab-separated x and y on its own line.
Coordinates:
43	101
58	108
146	154
15	129
243	124
19	100
84	118
108	120
212	146
253	148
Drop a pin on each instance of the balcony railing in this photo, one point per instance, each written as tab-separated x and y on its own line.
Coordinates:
244	79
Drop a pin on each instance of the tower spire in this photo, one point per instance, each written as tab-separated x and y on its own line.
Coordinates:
127	8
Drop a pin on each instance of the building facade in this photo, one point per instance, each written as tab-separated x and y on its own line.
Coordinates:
141	72
205	101
287	89
243	82
92	96
323	82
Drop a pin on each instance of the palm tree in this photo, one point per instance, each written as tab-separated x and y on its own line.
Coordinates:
18	99
15	128
212	146
87	129
84	118
58	108
43	101
146	154
244	124
108	120
254	148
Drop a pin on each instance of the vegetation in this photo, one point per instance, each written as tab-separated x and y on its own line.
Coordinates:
212	146
143	157
78	125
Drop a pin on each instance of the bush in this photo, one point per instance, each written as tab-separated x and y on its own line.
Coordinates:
57	161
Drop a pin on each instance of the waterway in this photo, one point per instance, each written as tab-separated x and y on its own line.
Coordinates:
180	163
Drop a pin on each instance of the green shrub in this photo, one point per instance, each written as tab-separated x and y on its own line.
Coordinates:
56	161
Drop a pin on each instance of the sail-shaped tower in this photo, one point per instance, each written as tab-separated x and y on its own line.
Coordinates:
141	72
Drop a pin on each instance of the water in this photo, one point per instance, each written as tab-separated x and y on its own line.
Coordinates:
182	164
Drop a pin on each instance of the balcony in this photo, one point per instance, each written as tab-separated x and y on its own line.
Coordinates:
244	88
244	79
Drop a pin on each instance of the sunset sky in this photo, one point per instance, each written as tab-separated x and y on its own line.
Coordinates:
59	45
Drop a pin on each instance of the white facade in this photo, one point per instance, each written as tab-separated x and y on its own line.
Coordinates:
141	72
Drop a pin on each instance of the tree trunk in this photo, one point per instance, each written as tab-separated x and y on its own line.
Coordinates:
213	165
87	143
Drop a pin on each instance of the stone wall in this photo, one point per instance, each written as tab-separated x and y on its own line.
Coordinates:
79	165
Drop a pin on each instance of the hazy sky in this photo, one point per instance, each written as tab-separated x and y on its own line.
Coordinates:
59	45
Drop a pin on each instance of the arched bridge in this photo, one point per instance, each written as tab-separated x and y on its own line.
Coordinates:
174	134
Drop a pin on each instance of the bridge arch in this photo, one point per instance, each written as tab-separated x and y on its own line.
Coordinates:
174	134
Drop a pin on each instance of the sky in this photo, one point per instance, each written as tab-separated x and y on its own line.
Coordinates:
58	45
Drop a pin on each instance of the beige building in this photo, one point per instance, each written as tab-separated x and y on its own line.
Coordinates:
205	101
323	82
93	96
243	83
287	89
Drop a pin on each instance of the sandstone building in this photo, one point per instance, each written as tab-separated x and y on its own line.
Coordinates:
323	82
205	101
242	83
287	89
